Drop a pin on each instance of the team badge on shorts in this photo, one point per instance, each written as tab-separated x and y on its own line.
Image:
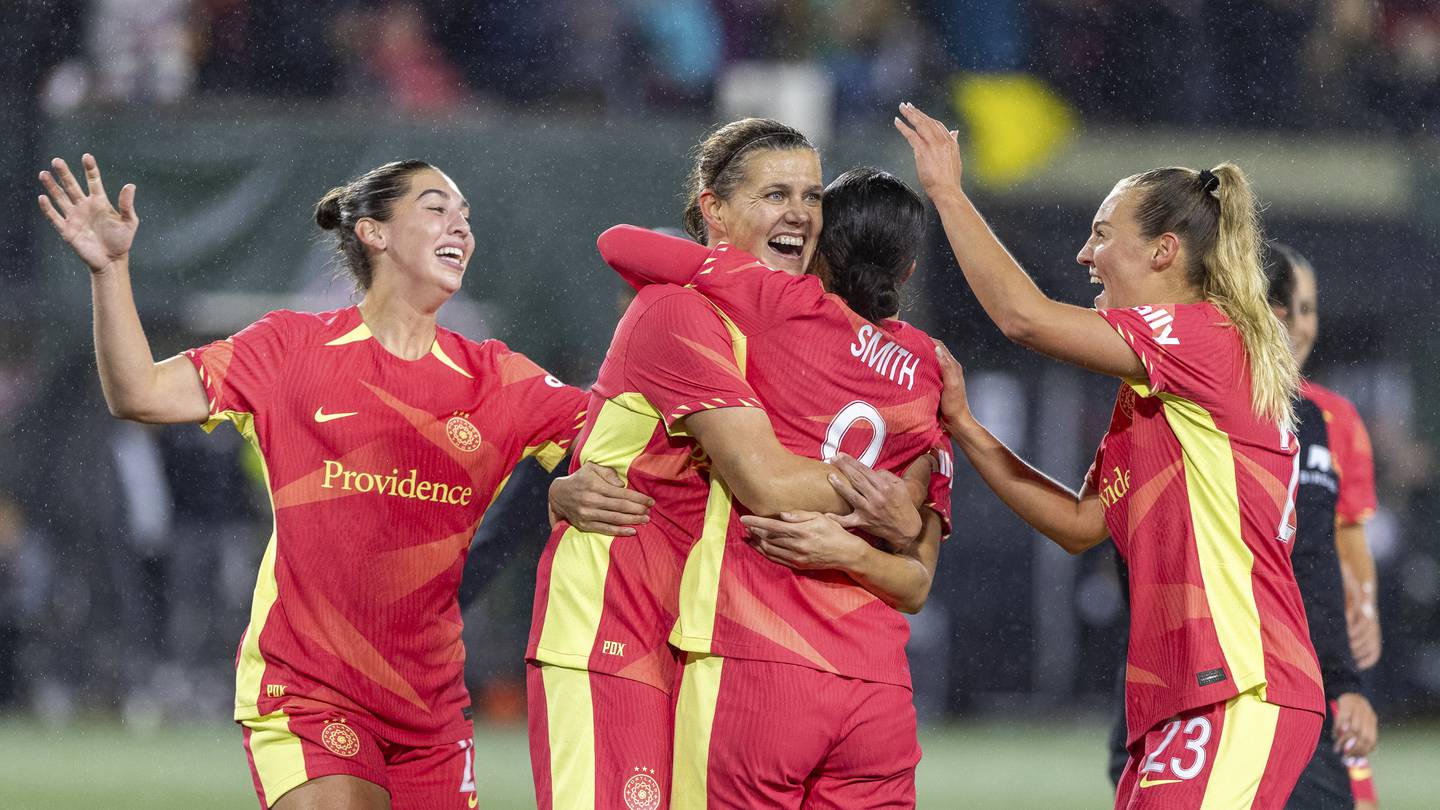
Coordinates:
464	435
642	792
339	739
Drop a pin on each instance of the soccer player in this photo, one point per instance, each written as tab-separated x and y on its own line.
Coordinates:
1194	479
1336	491
802	644
671	407
384	438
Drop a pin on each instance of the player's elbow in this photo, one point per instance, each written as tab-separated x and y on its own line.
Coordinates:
1078	542
1020	325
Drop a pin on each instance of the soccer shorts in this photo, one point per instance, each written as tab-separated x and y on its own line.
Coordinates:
1242	753
597	741
293	746
760	734
1325	782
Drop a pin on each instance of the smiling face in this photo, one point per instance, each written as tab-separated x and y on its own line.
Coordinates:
1302	316
1118	257
774	212
427	241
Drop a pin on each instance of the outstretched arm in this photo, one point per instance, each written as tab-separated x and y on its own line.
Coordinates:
1011	299
135	386
643	256
1075	522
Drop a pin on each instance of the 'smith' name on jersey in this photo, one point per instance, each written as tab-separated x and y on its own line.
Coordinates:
1160	321
886	357
395	485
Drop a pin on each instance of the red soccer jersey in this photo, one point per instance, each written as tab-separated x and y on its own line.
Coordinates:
378	470
830	380
1199	498
1350	452
606	604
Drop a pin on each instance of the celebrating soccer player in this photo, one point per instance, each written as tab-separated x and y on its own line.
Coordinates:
674	409
384	438
1194	480
826	372
1336	495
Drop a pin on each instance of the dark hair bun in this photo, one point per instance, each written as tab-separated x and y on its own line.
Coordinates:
327	211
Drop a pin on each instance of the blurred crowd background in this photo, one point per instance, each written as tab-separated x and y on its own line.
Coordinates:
127	553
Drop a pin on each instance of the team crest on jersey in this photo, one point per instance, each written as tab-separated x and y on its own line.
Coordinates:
642	792
340	739
463	434
1127	401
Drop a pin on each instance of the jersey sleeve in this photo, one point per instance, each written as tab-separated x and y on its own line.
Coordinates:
238	372
643	256
546	412
678	355
754	295
1184	348
1356	462
941	480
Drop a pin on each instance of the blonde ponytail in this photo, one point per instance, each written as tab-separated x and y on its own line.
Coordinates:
1235	283
1214	213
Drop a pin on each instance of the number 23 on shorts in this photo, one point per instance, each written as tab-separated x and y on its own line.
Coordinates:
1175	760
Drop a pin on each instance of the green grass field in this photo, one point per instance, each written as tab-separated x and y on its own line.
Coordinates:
980	765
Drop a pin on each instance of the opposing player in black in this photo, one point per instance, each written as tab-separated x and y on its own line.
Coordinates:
1350	725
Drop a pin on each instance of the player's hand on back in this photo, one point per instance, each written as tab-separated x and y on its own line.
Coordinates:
805	541
881	503
954	402
99	233
595	499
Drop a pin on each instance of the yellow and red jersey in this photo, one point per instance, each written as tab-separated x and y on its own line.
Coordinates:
606	604
1198	495
378	470
1351	454
830	381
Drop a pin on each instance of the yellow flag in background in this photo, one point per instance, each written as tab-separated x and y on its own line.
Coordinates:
1017	124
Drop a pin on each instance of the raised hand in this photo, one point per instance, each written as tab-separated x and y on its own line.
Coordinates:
98	233
937	150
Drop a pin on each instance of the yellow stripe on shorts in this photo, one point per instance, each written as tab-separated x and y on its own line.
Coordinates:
1245	741
570	721
278	758
694	717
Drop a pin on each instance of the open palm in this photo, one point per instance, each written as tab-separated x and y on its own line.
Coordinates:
97	231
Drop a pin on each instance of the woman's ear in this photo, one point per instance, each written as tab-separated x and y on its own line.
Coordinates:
370	234
712	209
908	273
1164	252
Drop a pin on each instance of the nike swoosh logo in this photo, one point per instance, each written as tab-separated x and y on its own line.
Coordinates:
1147	782
321	416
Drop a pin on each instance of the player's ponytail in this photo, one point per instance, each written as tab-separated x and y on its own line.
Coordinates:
372	195
874	225
1215	215
719	163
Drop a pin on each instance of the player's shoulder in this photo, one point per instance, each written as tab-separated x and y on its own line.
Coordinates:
303	328
1333	404
910	336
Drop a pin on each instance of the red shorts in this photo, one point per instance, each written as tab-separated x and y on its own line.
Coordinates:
598	741
293	746
760	734
1243	753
